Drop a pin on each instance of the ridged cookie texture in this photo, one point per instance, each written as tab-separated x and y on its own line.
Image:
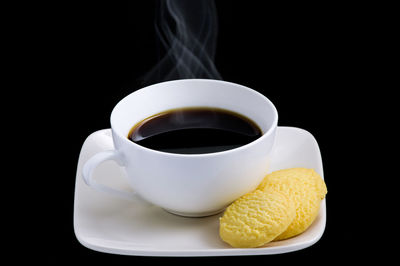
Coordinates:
256	218
305	188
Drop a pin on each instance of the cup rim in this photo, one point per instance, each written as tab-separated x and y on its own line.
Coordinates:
270	130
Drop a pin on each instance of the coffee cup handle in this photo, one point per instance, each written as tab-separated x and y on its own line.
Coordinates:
90	166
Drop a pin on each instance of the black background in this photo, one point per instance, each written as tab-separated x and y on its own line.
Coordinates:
314	62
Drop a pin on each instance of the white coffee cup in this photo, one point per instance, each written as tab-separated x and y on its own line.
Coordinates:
188	184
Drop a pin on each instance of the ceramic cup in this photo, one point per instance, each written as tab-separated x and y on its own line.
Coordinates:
188	184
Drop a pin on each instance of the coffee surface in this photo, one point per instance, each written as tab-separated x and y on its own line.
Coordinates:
195	130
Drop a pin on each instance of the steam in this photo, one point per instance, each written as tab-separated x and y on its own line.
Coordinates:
188	32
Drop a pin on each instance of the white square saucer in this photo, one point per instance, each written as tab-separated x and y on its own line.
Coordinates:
112	225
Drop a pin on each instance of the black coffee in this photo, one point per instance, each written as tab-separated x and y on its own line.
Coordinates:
194	131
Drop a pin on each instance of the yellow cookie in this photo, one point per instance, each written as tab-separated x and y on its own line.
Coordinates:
256	218
305	188
321	186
